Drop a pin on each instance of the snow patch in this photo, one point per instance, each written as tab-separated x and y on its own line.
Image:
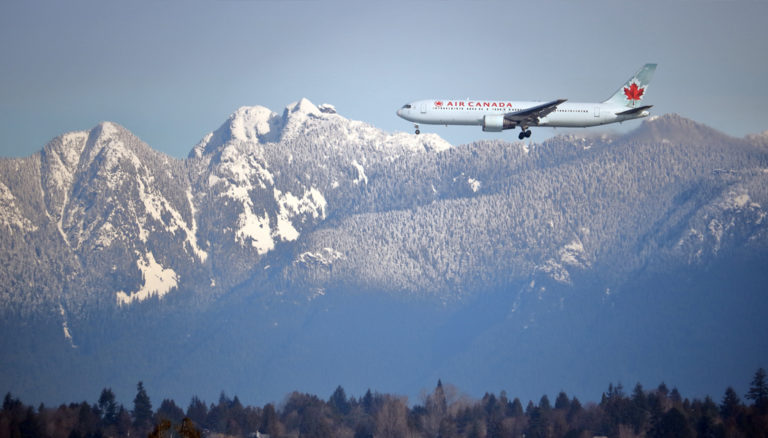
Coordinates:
192	231
312	203
324	257
106	235
254	228
474	184
717	230
253	124
65	327
303	106
361	177
741	200
556	271
573	253
158	281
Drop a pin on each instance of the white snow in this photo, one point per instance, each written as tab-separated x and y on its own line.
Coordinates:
242	172
741	200
192	231
156	206
556	271
65	327
254	228
738	199
158	281
474	184
296	115
716	229
324	257
415	143
72	146
361	177
62	162
303	106
327	108
312	203
572	253
252	124
285	229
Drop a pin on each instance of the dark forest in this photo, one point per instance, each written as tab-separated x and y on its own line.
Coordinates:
443	413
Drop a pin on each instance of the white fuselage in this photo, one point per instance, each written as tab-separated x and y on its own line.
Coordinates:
472	112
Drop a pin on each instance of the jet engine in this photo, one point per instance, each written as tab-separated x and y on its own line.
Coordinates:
496	123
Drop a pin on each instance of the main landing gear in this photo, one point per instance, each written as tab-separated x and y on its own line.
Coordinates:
417	129
525	133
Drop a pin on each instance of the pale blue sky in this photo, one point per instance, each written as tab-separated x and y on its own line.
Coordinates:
172	71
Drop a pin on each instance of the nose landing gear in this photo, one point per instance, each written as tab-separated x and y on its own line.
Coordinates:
417	129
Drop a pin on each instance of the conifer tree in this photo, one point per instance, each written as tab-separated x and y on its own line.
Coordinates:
142	409
731	404
108	406
339	402
197	411
515	408
758	392
544	404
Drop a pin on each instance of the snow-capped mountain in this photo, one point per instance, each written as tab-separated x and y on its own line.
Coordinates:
130	223
273	216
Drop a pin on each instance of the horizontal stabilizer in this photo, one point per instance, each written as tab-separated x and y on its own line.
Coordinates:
633	110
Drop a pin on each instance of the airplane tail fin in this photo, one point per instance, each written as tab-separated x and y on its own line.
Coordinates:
634	90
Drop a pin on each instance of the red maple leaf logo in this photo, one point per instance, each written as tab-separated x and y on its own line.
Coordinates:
438	103
634	92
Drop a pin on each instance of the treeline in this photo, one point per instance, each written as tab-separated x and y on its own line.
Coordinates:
443	413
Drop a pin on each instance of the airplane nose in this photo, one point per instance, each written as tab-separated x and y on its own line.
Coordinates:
400	112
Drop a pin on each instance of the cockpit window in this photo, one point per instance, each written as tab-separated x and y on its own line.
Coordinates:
407	106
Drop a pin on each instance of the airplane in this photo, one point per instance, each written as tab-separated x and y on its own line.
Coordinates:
496	116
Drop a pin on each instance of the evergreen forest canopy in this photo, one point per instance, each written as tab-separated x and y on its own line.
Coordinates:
443	413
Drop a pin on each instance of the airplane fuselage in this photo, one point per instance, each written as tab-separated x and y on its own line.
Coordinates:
499	115
473	112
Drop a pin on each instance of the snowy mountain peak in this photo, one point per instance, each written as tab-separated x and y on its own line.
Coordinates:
303	106
255	123
675	129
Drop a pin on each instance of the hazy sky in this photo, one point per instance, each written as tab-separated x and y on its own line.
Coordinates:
171	71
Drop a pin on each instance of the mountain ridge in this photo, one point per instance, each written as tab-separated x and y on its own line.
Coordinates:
233	164
276	229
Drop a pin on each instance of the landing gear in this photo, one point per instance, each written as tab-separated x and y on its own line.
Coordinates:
525	133
417	129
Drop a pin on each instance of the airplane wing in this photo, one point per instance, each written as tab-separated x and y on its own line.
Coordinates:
531	116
